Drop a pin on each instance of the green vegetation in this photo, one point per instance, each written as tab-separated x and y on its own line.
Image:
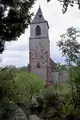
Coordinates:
16	19
19	87
27	91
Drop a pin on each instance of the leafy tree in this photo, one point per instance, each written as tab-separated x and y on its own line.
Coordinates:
61	67
6	91
18	86
76	85
27	88
6	84
66	3
71	49
69	45
14	19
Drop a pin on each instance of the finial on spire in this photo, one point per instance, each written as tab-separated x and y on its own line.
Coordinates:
39	4
39	17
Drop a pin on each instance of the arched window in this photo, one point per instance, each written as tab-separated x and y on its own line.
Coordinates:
38	65
38	30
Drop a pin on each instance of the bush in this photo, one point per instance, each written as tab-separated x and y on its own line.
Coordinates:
50	97
19	86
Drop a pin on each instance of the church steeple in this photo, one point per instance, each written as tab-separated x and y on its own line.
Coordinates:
39	17
39	46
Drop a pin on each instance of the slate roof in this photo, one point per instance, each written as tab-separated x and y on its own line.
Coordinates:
39	18
53	65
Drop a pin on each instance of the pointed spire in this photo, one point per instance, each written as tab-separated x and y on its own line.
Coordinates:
39	6
39	16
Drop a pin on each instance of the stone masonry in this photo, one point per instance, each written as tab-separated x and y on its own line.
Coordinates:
39	47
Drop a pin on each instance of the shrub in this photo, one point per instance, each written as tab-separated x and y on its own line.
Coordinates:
19	86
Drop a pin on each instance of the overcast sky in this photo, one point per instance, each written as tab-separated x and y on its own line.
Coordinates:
16	53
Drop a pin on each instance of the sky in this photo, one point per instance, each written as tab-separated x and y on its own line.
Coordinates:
16	53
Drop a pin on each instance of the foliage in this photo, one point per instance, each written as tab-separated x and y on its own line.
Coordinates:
50	97
61	67
76	87
61	88
47	104
71	49
58	101
67	3
6	84
69	103
66	108
13	81
28	92
15	17
6	92
1	46
7	109
69	45
18	86
29	85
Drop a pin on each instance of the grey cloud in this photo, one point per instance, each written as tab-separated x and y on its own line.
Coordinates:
17	45
14	62
15	54
15	58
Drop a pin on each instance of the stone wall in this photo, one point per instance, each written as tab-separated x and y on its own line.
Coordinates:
44	30
54	76
39	48
39	54
61	76
41	72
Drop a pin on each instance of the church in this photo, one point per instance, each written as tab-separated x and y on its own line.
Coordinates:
40	62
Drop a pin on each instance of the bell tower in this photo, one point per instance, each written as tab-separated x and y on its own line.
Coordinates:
39	47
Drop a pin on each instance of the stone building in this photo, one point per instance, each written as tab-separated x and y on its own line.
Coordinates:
39	49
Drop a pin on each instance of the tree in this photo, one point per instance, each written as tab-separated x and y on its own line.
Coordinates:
69	45
66	3
6	91
14	19
61	67
71	50
19	87
28	87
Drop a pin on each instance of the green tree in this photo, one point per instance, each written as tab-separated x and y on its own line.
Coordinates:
28	86
6	84
19	87
6	91
76	85
69	45
71	49
15	17
61	67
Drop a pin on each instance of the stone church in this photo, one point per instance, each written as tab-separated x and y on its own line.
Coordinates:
40	62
